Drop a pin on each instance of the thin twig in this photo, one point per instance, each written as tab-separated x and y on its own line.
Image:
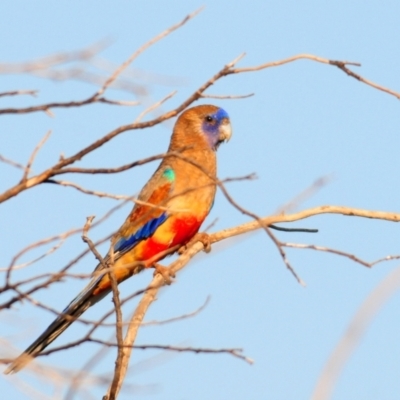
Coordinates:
118	325
117	169
11	162
181	317
19	93
118	102
387	258
197	350
35	260
154	106
33	156
327	250
90	192
280	228
227	97
342	66
340	253
305	194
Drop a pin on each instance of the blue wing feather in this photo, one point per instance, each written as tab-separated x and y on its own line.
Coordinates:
126	243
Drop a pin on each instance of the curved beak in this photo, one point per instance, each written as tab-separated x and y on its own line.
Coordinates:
225	131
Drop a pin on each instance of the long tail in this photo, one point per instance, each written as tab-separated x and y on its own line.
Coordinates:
73	311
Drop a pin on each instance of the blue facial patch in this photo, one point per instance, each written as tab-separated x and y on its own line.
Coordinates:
211	127
221	114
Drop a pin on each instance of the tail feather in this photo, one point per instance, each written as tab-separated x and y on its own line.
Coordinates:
74	310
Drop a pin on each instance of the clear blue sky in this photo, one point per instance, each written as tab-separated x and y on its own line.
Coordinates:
306	120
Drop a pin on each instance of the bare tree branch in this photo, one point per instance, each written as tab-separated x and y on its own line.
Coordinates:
96	96
342	65
43	67
157	282
353	335
227	70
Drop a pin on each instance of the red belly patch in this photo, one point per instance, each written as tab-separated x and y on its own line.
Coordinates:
182	229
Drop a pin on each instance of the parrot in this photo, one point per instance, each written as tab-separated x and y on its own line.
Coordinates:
168	214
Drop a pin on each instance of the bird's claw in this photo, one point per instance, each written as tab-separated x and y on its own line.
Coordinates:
198	237
205	239
165	272
182	249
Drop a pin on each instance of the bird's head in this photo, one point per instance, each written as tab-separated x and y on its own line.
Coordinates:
202	126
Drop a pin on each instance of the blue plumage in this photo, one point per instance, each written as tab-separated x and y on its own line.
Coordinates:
144	232
211	126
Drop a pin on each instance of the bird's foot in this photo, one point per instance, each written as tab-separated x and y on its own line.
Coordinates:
198	237
165	272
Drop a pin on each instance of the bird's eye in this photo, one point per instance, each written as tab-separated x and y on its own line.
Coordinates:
209	118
